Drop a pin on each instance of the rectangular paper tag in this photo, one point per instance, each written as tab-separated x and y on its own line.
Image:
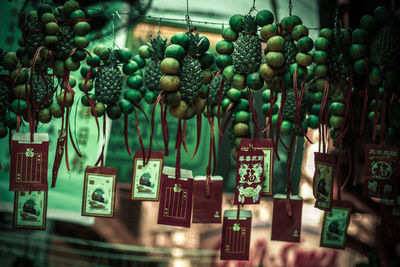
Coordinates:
266	146
175	198
29	162
249	177
146	178
236	235
335	224
380	171
99	192
30	209
207	208
285	227
323	180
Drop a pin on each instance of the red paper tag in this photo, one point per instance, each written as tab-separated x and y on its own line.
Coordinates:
29	162
335	224
207	204
285	227
390	216
146	178
249	177
30	209
236	235
58	156
266	146
176	198
99	191
380	171
323	180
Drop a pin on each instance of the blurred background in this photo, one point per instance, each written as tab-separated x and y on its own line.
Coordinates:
133	237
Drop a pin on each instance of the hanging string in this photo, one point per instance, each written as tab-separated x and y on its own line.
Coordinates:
150	17
113	27
187	17
290	7
253	8
159	27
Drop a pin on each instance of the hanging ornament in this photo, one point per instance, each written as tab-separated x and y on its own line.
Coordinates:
376	57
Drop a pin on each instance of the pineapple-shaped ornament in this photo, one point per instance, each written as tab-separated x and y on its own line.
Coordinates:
108	85
155	52
183	74
240	59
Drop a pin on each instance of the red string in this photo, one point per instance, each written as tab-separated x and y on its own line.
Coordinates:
283	101
289	189
178	150
126	135
253	113
198	129
184	136
158	101
365	104
101	157
66	138
321	112
140	136
383	115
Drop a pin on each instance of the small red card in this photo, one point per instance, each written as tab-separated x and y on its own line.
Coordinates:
335	224
99	192
207	204
236	235
323	180
390	218
249	177
381	171
146	178
286	227
266	146
29	162
175	198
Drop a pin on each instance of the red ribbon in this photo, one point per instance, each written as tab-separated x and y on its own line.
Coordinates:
283	101
198	129
66	138
158	101
140	136
253	113
365	104
289	188
101	156
383	115
321	112
184	136
126	134
221	88
178	143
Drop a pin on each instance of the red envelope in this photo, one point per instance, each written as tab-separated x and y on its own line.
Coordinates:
323	180
207	204
249	177
29	162
175	198
381	171
266	146
285	227
390	217
236	235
